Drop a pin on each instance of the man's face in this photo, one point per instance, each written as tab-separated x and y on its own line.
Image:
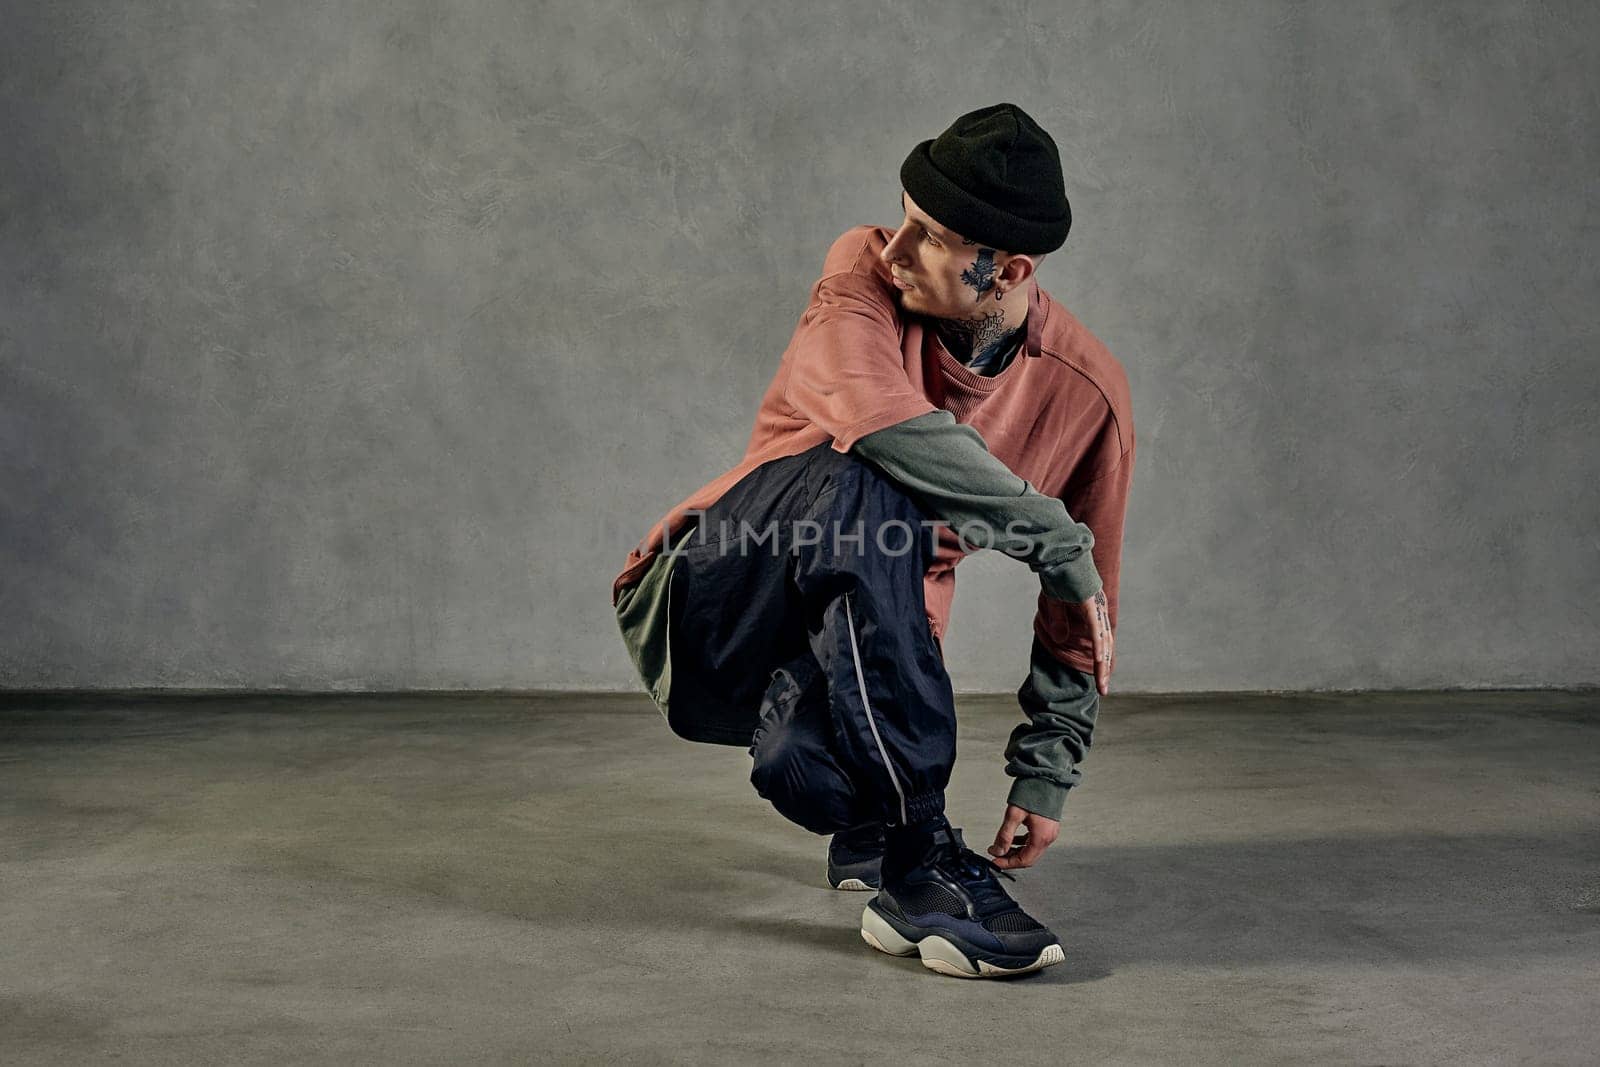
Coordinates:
950	276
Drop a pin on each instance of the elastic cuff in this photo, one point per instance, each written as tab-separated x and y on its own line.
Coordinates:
1040	796
1073	582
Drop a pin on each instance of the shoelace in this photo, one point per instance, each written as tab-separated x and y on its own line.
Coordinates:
977	873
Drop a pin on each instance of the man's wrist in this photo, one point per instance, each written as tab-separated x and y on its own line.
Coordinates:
1040	796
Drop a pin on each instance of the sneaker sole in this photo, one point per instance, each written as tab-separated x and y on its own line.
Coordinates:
855	884
940	955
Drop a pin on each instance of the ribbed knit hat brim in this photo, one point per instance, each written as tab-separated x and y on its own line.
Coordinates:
993	176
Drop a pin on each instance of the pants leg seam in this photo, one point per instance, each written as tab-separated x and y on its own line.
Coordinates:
866	704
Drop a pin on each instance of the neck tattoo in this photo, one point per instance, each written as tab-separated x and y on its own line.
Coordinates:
975	339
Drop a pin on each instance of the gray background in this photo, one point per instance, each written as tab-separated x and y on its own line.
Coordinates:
352	346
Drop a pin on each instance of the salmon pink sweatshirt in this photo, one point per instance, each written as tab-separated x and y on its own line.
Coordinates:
1058	416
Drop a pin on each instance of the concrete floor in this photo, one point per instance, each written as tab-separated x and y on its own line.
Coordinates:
1401	878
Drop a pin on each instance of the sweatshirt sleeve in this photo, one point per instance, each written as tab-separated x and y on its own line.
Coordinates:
949	470
845	371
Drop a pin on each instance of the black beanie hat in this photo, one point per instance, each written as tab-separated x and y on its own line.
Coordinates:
994	176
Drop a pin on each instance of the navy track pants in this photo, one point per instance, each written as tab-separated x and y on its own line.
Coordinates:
798	627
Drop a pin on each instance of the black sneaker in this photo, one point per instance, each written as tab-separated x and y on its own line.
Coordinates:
855	858
951	910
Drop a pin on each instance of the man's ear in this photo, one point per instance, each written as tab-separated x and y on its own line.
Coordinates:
1019	268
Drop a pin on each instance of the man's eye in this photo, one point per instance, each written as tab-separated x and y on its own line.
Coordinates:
929	238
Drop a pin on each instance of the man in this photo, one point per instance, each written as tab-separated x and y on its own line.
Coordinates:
933	400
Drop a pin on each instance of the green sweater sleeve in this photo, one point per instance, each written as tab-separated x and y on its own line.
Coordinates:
1043	754
948	469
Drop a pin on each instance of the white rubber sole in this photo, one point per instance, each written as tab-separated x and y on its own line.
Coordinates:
940	955
856	883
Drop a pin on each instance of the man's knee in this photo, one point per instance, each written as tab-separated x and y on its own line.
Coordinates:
846	465
861	504
792	767
808	793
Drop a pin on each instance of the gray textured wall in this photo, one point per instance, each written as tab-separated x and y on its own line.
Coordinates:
353	345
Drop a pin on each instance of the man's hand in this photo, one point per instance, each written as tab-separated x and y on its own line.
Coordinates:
1006	850
1093	615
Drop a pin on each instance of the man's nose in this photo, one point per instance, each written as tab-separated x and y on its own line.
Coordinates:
894	251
